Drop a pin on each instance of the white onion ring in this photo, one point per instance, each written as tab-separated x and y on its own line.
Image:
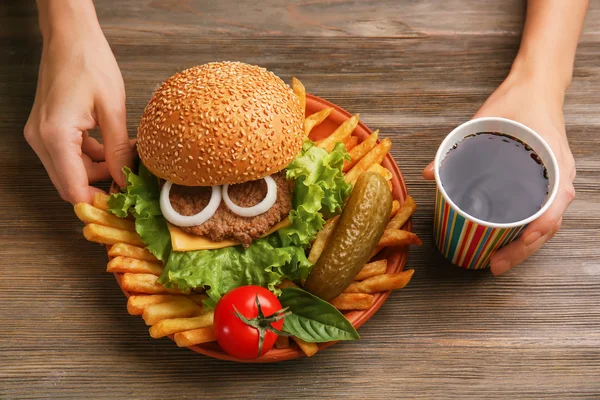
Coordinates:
258	209
188	220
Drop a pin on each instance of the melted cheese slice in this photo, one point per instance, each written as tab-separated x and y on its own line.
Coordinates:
182	241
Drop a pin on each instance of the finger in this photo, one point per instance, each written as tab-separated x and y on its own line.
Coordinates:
96	171
93	148
49	166
118	151
69	167
515	253
428	172
36	143
548	221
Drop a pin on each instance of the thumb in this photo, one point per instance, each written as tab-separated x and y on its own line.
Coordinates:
118	150
428	172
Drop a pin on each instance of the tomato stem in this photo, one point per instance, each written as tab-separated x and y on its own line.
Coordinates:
263	323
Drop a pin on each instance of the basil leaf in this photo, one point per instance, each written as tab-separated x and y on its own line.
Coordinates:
314	320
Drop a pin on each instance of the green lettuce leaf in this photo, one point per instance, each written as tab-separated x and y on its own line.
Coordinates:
141	199
265	263
155	234
319	188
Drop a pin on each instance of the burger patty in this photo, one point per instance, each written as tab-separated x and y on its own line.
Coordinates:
224	224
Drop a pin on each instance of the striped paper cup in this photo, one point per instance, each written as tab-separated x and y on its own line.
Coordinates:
469	242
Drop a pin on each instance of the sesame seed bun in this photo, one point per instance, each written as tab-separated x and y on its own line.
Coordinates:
220	123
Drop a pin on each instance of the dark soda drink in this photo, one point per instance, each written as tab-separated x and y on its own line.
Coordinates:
495	178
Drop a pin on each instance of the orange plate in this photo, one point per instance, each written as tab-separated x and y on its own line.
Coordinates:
396	258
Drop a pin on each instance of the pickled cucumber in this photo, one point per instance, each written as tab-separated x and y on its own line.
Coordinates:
360	227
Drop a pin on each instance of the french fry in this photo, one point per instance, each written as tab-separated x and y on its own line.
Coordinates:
321	240
352	301
360	150
340	134
350	142
170	326
395	208
372	269
90	214
374	156
109	235
300	91
127	264
127	250
316	119
406	210
144	283
195	336
282	342
308	348
381	171
100	201
286	283
395	238
381	283
137	303
179	307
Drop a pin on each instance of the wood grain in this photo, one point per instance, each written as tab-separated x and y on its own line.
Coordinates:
414	70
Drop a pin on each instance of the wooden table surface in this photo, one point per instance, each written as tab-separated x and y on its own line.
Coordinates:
413	69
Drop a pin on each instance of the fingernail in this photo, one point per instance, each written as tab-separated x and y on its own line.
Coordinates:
428	172
501	267
532	238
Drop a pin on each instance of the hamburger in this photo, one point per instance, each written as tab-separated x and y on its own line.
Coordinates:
229	191
223	124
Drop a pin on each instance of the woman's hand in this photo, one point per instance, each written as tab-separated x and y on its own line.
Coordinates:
537	104
79	87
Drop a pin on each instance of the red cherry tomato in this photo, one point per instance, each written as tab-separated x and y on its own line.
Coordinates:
239	338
